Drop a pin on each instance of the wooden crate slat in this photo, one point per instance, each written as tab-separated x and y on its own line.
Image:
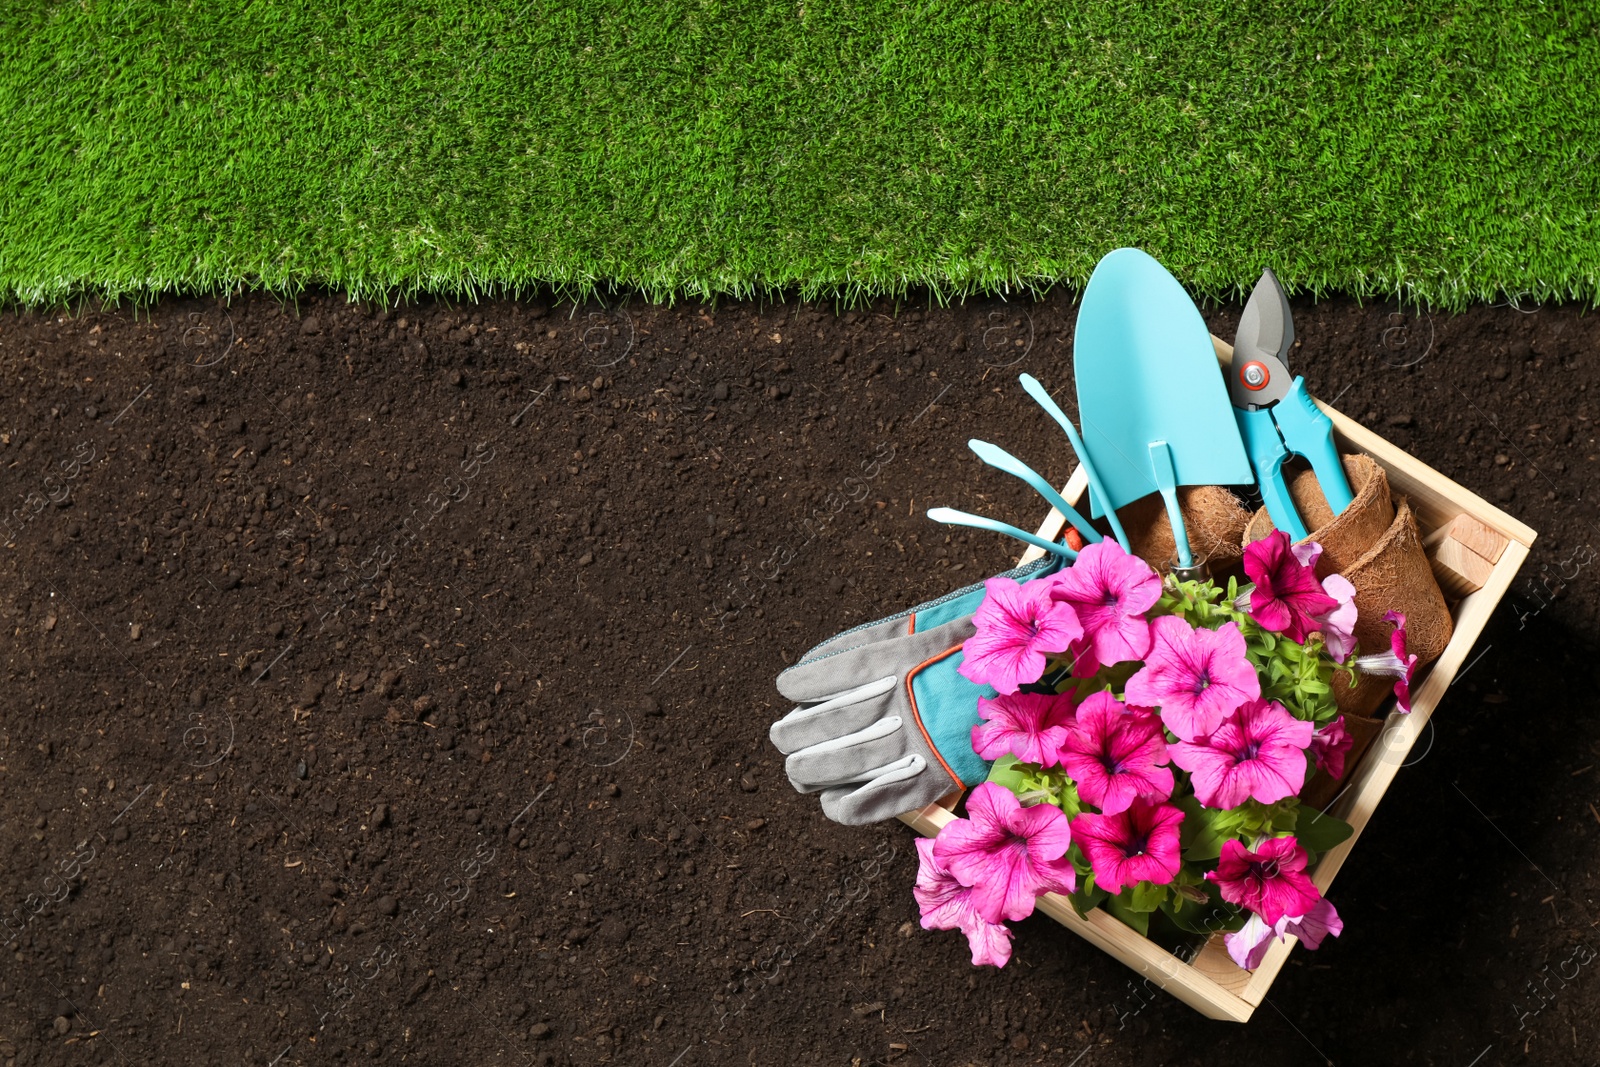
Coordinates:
1459	569
1477	537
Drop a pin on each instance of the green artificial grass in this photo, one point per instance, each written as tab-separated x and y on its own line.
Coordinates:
1443	152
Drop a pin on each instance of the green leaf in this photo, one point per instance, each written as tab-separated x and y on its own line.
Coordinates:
1317	833
1008	771
1146	896
1069	801
1283	814
1087	896
1188	915
1139	920
1197	834
1085	901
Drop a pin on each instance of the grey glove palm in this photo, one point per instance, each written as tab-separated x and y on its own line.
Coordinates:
884	720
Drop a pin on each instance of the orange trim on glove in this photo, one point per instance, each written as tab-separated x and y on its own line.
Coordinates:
916	716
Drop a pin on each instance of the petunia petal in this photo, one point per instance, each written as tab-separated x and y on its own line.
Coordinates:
943	902
1045	828
1248	945
990	942
1316	924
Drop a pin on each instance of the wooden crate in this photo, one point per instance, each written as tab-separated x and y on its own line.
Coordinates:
1213	984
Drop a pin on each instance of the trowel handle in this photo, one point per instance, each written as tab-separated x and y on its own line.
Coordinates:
952	517
1267	453
1308	432
1001	460
1042	397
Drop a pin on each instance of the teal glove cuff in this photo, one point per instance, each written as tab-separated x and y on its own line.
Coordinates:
945	705
943	701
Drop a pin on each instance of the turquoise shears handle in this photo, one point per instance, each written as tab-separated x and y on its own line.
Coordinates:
952	517
1309	433
1041	396
1001	460
1267	453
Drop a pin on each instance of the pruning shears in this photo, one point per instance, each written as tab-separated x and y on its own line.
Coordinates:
1276	415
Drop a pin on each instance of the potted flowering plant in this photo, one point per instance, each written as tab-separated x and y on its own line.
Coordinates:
1152	740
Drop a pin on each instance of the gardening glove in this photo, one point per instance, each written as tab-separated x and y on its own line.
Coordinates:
884	723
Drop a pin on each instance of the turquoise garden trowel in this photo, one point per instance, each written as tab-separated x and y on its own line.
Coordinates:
1152	401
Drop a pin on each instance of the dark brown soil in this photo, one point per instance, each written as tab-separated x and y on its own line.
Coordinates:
395	687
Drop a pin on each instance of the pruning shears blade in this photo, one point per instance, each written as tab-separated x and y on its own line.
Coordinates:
1258	375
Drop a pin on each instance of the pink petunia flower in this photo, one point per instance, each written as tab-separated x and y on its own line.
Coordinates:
946	904
1007	853
1394	663
1116	753
1029	726
1330	745
1287	597
1338	626
1019	626
1258	753
1271	881
1110	590
1248	945
1196	677
1136	845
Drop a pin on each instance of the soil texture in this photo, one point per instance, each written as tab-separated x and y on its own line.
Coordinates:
393	686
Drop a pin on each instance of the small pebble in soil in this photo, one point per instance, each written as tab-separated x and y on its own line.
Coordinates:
387	905
748	784
539	1031
62	1024
613	790
135	631
755	824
